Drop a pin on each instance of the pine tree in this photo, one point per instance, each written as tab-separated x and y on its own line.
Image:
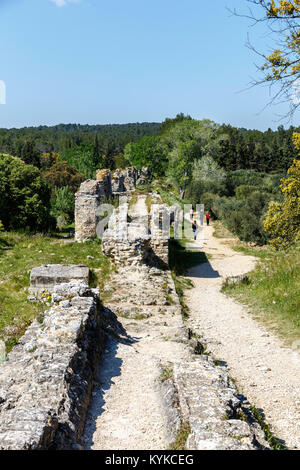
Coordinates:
96	163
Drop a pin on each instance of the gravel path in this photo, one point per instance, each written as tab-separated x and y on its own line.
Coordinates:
127	410
265	371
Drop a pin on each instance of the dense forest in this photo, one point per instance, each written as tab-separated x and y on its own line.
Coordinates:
86	147
91	147
235	172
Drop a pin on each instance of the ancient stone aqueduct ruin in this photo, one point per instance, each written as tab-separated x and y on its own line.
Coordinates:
47	382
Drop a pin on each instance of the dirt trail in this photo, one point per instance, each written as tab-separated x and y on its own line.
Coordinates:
266	372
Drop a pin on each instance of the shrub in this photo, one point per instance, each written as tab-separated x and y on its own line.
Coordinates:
63	204
283	219
62	174
24	196
243	191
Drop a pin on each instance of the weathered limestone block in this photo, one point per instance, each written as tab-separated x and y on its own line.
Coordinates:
46	384
210	403
73	289
44	278
93	192
87	202
126	243
124	180
234	280
144	176
105	177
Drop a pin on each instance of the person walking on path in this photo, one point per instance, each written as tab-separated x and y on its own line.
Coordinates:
207	215
195	229
191	214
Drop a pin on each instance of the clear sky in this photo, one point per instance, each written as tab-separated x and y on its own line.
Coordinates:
119	61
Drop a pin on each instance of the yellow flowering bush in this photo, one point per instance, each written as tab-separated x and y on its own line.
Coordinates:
282	223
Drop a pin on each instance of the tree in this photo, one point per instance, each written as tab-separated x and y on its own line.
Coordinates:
29	153
47	159
95	161
62	174
282	223
185	142
24	196
169	122
207	169
81	157
281	67
147	152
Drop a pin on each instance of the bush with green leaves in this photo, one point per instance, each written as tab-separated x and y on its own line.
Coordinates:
63	205
148	152
24	196
244	191
244	217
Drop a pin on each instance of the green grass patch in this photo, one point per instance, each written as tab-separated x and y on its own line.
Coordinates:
263	252
181	437
220	231
166	373
273	292
19	253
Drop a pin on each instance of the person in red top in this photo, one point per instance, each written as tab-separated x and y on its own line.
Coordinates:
207	215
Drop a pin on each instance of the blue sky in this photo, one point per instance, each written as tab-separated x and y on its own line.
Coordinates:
117	61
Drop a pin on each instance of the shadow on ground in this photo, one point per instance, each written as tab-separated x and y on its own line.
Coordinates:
204	271
110	366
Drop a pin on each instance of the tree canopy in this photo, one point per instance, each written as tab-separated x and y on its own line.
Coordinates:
24	196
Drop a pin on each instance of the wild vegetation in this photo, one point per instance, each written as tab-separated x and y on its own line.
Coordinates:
19	253
273	290
248	180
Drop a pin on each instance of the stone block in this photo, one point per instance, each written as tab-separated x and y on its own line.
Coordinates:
44	278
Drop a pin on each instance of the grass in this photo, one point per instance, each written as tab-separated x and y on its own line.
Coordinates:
273	291
181	437
262	252
166	373
180	260
220	231
19	253
274	442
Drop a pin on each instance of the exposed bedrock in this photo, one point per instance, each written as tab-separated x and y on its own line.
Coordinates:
46	384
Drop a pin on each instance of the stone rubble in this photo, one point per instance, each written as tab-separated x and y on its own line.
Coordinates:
46	384
210	403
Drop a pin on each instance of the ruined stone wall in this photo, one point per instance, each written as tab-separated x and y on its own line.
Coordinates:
92	193
125	181
87	201
134	236
46	384
159	218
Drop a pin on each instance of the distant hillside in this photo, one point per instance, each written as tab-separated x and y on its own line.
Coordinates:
62	136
